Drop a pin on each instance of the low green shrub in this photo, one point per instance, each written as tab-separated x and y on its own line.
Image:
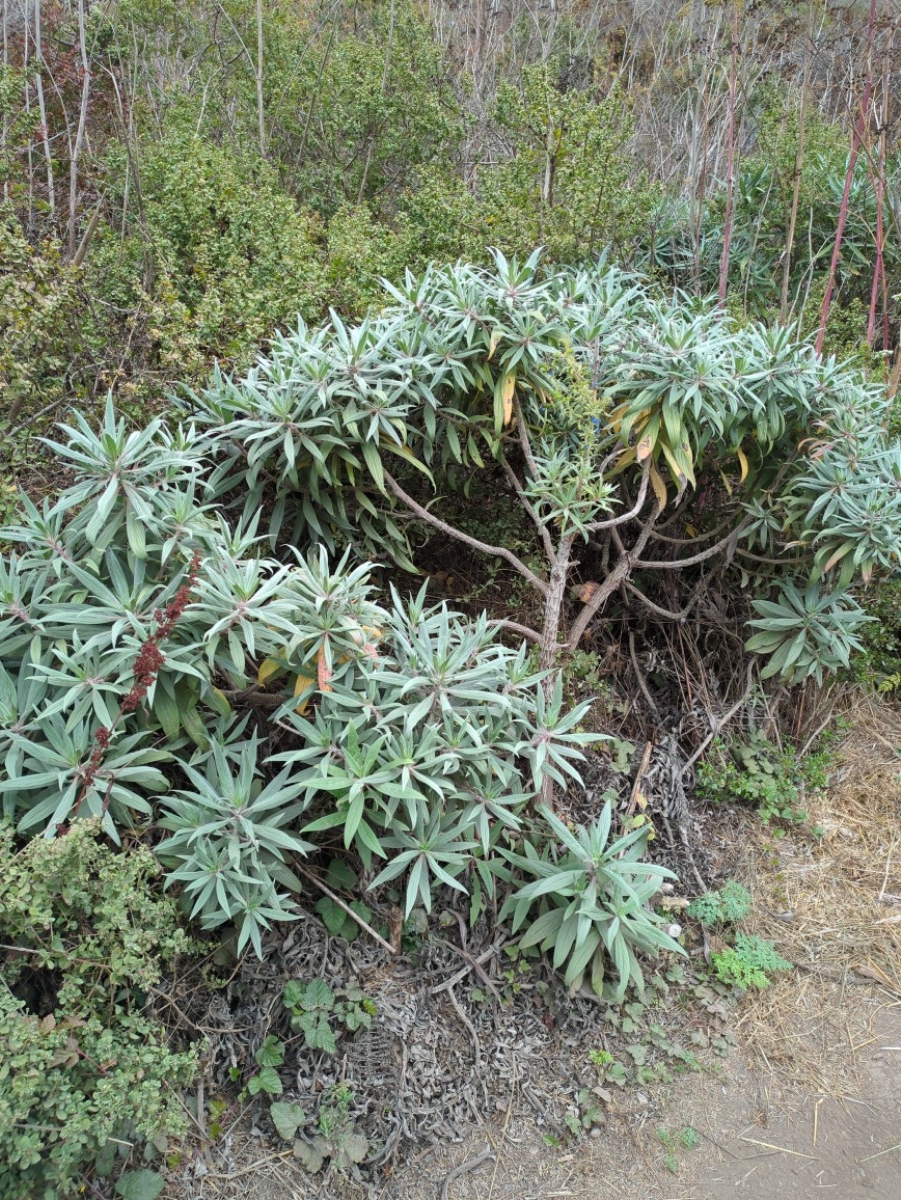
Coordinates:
86	934
758	773
880	663
141	629
593	901
135	628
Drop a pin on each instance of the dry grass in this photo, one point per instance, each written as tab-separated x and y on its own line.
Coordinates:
833	907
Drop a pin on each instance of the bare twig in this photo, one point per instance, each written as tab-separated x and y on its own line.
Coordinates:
720	723
597	526
451	531
640	678
258	78
639	775
469	1165
346	907
539	524
531	635
694	559
42	107
859	128
478	960
75	155
373	133
730	161
617	576
666	613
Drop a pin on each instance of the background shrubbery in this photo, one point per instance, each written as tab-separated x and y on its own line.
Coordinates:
239	163
86	937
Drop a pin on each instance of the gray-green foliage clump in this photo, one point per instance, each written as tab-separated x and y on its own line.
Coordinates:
774	461
194	574
594	898
136	626
86	935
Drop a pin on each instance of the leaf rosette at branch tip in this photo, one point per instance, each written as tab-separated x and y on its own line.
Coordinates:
593	898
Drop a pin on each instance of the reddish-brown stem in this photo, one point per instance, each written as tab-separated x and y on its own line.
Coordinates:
148	663
859	127
880	283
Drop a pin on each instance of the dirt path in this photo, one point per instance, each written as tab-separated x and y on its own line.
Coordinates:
805	1145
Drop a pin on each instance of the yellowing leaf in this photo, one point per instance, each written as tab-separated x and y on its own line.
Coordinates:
509	388
644	448
837	557
659	487
742	458
618	416
323	672
625	460
726	484
268	668
301	683
679	473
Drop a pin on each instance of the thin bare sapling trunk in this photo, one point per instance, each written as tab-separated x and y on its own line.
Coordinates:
386	68
261	113
75	156
859	128
42	107
880	282
730	162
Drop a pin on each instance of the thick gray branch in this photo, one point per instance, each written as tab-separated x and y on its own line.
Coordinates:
596	526
679	563
618	575
460	536
666	613
531	635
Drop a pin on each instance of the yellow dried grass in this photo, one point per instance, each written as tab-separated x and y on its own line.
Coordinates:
832	905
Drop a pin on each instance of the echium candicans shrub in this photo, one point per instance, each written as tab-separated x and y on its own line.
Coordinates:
135	648
651	430
654	430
